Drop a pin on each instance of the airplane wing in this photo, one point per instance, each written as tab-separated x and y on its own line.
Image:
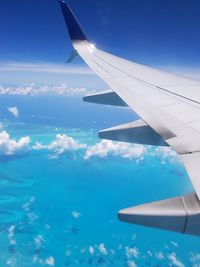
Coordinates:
169	108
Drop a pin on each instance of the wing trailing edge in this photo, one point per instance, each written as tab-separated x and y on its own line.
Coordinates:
180	214
106	98
137	132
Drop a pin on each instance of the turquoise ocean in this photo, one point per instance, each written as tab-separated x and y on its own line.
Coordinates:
60	209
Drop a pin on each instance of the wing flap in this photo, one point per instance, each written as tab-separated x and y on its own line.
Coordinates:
105	98
191	162
137	132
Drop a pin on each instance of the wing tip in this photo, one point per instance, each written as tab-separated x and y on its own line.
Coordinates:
75	31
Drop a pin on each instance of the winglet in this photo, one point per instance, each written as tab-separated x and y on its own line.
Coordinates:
75	31
74	54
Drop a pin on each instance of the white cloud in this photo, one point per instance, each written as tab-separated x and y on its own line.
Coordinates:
159	255
103	249
10	146
131	264
61	144
39	146
132	252
33	90
14	111
27	205
50	261
39	240
91	250
106	148
166	152
76	214
175	244
172	257
11	233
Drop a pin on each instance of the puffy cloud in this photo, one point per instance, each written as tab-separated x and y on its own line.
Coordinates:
172	257
76	214
33	90
61	144
131	264
91	250
103	249
132	252
166	153
39	146
39	241
106	147
14	111
11	233
159	255
10	146
50	261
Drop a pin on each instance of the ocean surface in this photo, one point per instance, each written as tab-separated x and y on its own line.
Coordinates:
59	208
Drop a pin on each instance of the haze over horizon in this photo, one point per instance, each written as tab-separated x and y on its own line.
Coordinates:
36	44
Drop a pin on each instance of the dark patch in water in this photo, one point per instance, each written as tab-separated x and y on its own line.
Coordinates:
101	261
12	157
4	177
177	173
74	230
90	261
81	260
11	249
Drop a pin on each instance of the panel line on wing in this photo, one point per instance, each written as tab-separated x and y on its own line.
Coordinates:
147	83
138	79
101	67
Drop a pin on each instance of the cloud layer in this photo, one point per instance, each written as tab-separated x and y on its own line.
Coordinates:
44	68
65	144
33	90
106	148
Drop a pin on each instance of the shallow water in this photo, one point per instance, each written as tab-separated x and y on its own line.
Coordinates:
62	211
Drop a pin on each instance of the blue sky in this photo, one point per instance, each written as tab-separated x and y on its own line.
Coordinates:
157	33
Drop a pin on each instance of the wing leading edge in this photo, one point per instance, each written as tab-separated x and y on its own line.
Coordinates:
168	104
